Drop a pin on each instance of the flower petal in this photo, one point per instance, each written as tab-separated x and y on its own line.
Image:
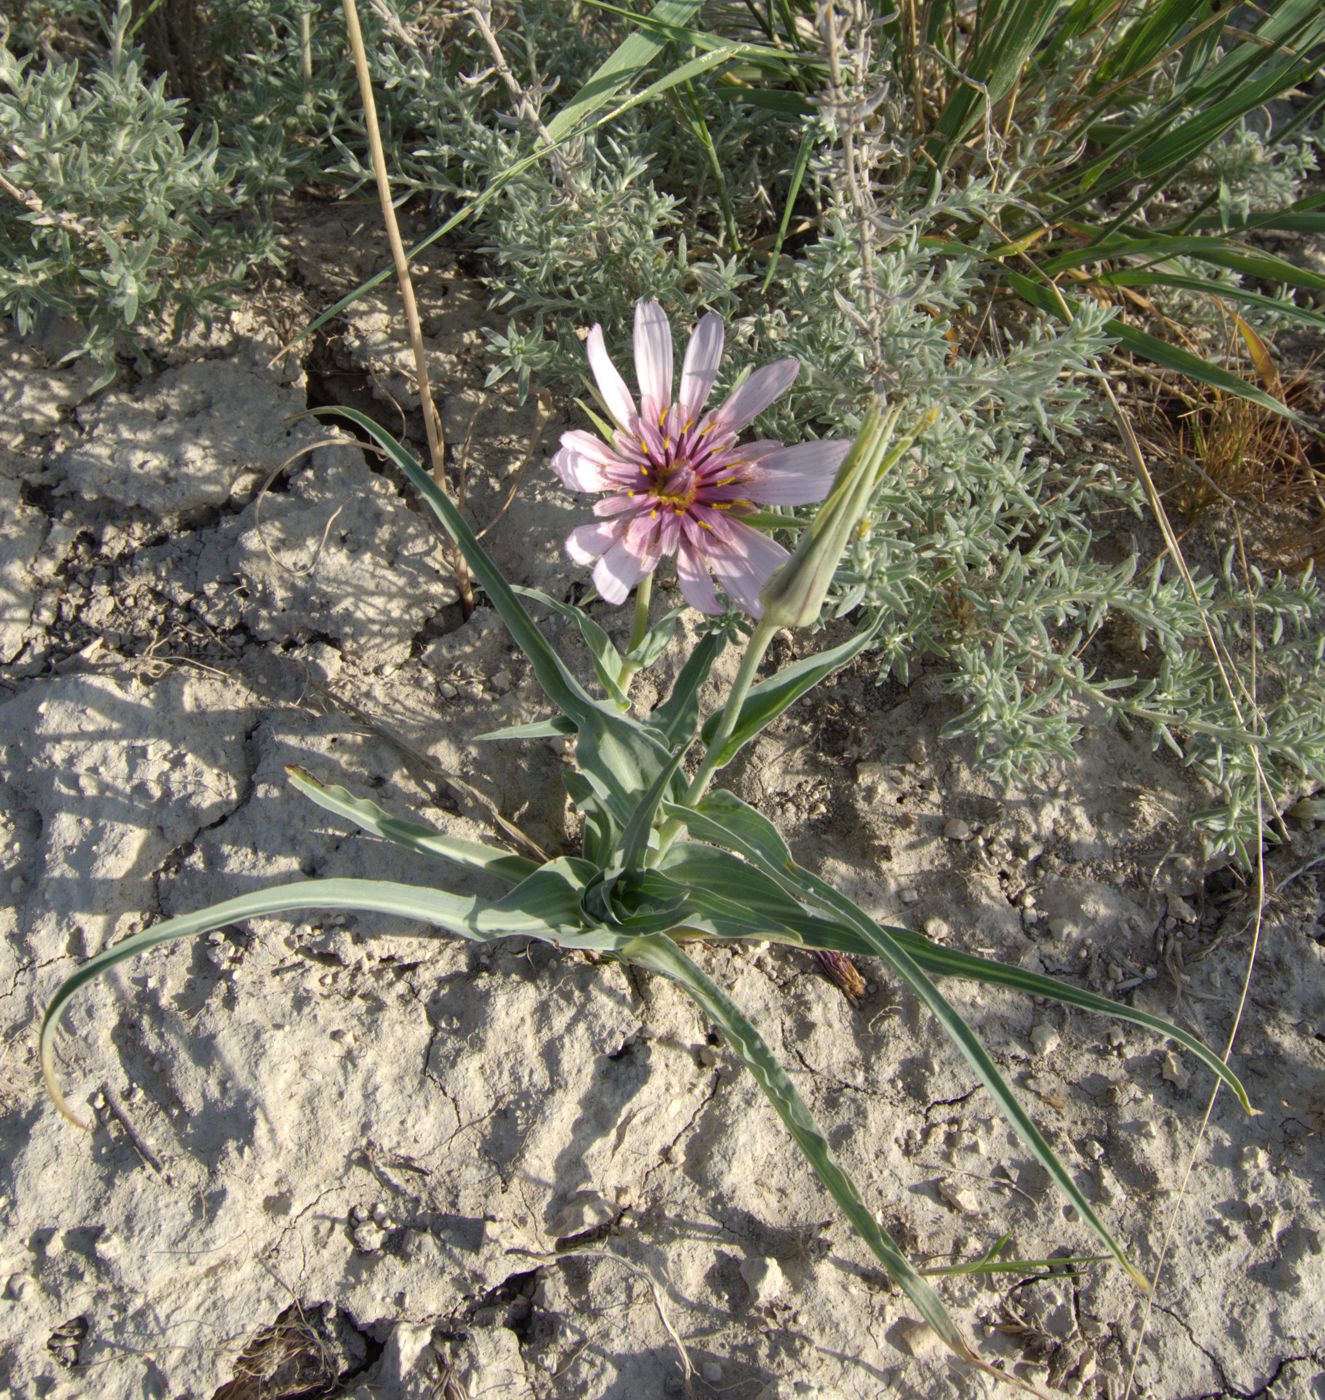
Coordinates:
617	572
701	366
743	564
586	445
586	543
653	360
754	396
696	586
610	384
795	476
579	471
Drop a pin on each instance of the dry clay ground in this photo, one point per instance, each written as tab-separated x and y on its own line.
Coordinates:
332	1158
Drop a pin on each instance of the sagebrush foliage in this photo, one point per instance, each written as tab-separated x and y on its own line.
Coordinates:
993	554
123	221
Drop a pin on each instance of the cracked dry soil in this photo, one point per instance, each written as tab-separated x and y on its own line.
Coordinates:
332	1157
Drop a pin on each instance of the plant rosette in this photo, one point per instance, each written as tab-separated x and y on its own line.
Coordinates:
668	861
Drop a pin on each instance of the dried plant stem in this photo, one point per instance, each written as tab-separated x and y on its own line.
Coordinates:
855	170
481	14
432	426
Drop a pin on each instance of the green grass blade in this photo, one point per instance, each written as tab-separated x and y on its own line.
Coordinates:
553	727
579	117
660	954
1130	277
798	168
607	660
414	835
1159	248
546	906
626	62
560	686
635	836
1157	351
769	698
724	819
678	715
880	943
612	746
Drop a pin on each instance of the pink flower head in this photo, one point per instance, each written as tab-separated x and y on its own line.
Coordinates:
676	482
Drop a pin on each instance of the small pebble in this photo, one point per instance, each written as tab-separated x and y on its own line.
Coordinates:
1174	1071
711	1372
908	896
502	682
1180	910
1061	1322
937	928
960	1199
585	1210
954	829
1116	1038
763	1278
446	690
920	1339
1045	1039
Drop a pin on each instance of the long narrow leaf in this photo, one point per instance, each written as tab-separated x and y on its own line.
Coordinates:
882	944
724	819
546	907
1222	290
1157	351
616	749
607	660
555	726
660	954
678	715
414	835
579	117
769	698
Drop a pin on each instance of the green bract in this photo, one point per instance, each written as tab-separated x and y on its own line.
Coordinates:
665	862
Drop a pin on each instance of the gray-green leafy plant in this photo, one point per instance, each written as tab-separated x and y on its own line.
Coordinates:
114	216
668	862
920	269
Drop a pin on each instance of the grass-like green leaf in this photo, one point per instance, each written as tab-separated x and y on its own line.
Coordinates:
880	942
1160	248
546	906
678	715
660	954
769	698
1224	291
414	835
555	726
1157	351
616	749
607	660
724	819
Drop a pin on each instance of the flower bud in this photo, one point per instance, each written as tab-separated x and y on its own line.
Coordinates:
794	596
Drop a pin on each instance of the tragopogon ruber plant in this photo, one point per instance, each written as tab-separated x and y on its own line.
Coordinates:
665	861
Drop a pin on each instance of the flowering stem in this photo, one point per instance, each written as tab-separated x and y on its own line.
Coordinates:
643	596
731	713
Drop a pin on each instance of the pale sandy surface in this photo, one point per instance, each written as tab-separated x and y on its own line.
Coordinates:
333	1159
